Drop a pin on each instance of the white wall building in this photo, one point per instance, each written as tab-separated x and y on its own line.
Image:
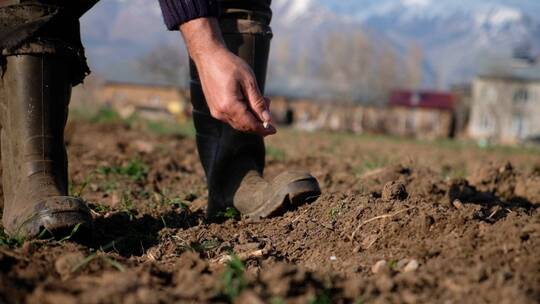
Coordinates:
506	105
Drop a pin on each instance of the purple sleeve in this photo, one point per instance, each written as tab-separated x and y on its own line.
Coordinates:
176	12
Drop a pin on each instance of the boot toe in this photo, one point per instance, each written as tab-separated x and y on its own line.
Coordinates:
57	215
286	192
300	187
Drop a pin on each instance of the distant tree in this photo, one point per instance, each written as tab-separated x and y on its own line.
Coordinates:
414	66
166	64
387	76
346	64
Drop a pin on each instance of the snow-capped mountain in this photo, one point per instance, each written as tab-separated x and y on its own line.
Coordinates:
454	35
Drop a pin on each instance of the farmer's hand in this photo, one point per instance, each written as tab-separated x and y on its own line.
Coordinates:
228	83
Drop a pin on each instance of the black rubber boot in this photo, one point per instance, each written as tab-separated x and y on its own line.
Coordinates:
234	161
35	93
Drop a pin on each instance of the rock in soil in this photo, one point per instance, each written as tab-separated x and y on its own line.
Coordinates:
411	266
380	267
394	191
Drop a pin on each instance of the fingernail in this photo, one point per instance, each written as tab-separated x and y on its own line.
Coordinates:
266	116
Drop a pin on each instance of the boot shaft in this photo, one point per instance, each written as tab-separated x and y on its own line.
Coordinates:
36	91
227	155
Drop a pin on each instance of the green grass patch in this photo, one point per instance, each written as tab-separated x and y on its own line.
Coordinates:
136	170
370	164
233	279
10	241
323	297
229	214
99	208
127	206
275	153
454	172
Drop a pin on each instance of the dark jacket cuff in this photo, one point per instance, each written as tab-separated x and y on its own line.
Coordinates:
176	12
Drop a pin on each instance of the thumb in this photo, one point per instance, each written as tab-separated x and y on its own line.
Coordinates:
258	104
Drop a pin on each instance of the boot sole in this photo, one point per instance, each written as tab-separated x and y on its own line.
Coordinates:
56	224
288	198
63	224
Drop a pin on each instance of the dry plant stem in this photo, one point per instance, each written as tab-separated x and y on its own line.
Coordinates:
298	217
389	215
242	256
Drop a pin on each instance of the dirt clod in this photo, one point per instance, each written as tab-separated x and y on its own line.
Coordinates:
394	191
65	264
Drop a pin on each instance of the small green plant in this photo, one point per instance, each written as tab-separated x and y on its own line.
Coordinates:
77	192
233	278
10	241
73	232
106	115
136	170
276	153
127	206
99	255
100	208
277	300
324	297
110	186
392	264
334	212
178	203
230	213
94	256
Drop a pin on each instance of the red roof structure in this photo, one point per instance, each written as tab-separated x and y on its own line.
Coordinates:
422	99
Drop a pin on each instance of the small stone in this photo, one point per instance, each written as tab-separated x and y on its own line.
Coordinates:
394	191
380	267
402	263
333	258
144	146
457	204
411	266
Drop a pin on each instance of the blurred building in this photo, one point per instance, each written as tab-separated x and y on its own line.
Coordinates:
506	103
417	114
422	114
147	100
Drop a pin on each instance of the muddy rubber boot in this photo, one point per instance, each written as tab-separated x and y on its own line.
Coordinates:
234	161
35	92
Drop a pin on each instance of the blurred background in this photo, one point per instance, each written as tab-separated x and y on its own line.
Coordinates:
424	69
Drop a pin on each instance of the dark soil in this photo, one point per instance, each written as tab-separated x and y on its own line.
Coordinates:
451	223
